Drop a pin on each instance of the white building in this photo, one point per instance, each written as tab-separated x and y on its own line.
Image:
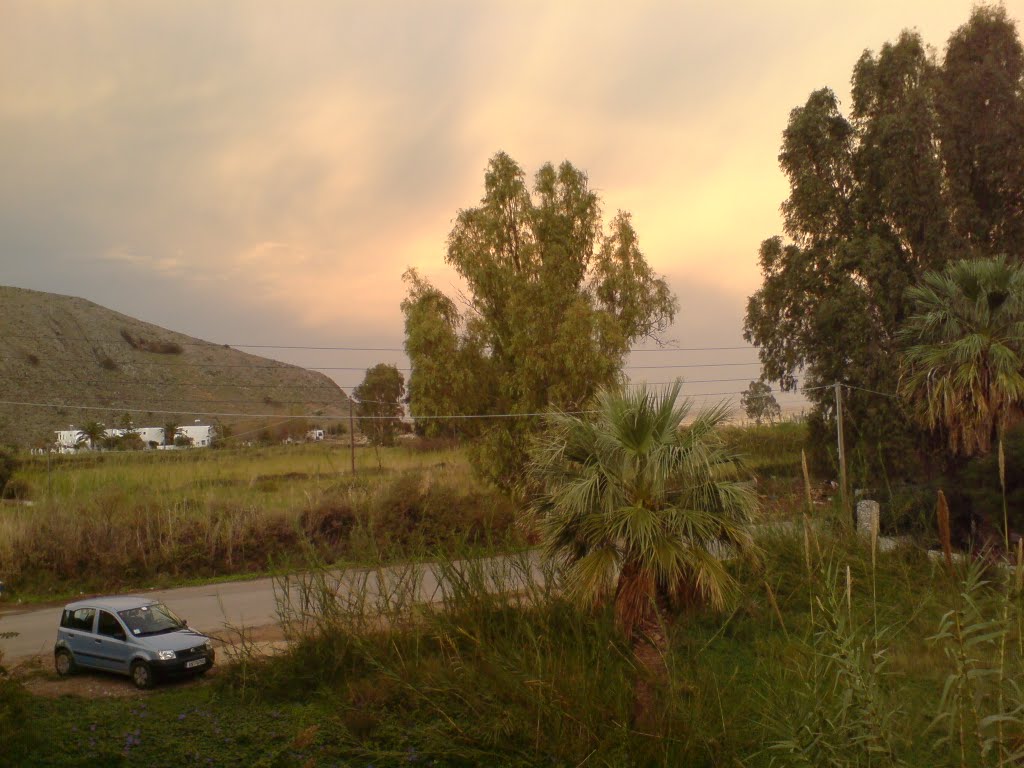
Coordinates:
202	436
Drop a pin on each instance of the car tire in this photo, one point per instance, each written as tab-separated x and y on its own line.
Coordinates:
64	662
142	675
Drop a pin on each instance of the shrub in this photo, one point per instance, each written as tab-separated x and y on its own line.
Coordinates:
143	344
17	488
8	463
107	363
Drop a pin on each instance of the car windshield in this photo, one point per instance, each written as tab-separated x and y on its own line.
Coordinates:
151	620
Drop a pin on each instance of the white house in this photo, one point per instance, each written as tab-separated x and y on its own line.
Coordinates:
202	435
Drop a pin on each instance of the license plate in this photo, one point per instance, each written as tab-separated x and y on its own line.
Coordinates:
195	663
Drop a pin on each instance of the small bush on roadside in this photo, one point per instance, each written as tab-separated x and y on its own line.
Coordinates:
8	464
17	488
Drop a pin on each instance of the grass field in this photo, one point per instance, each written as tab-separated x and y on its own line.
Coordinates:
158	519
163	518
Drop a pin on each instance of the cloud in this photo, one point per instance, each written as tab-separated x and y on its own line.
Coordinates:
259	169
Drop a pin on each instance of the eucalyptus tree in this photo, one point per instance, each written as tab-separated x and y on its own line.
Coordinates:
926	165
553	301
379	399
759	404
964	361
638	505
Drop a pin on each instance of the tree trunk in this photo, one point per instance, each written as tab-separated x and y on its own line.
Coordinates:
640	608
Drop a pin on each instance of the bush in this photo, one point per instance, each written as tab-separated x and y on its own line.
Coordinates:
8	463
17	488
143	344
412	512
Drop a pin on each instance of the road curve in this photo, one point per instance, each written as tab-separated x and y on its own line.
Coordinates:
217	608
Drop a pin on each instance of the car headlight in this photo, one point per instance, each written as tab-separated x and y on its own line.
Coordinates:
165	655
209	645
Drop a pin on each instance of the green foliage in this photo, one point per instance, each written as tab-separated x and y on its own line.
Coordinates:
759	404
768	449
379	398
632	502
876	199
965	351
981	711
554	303
975	493
19	732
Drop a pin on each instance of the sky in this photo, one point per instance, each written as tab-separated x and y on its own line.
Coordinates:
262	173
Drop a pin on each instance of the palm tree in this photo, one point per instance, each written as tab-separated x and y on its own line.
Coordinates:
965	351
171	430
92	432
636	506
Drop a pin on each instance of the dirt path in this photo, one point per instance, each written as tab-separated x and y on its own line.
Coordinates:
39	677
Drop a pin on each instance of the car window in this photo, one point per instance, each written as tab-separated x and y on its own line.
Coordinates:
80	619
109	626
151	620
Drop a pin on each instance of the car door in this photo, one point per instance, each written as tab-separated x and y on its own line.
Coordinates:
77	631
113	652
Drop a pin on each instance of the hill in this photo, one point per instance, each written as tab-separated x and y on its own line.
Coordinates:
65	360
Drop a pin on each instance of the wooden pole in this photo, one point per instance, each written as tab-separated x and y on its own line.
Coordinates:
351	435
843	493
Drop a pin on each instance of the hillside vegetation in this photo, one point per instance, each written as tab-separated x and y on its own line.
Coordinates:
96	364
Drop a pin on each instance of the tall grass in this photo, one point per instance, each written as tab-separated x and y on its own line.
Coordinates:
466	662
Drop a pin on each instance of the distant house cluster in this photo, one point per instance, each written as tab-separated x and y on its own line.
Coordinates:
191	435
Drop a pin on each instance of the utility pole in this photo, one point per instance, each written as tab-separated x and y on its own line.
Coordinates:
843	493
351	435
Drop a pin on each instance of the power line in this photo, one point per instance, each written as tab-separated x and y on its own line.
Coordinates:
872	391
122	340
325	417
283	366
280	415
334	385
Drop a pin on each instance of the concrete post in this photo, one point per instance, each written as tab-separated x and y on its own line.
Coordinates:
867	517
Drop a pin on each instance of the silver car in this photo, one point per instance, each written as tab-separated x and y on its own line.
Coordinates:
131	635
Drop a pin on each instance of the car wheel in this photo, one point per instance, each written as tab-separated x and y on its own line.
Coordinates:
65	663
142	675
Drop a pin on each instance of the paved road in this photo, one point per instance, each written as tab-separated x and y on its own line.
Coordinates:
215	608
